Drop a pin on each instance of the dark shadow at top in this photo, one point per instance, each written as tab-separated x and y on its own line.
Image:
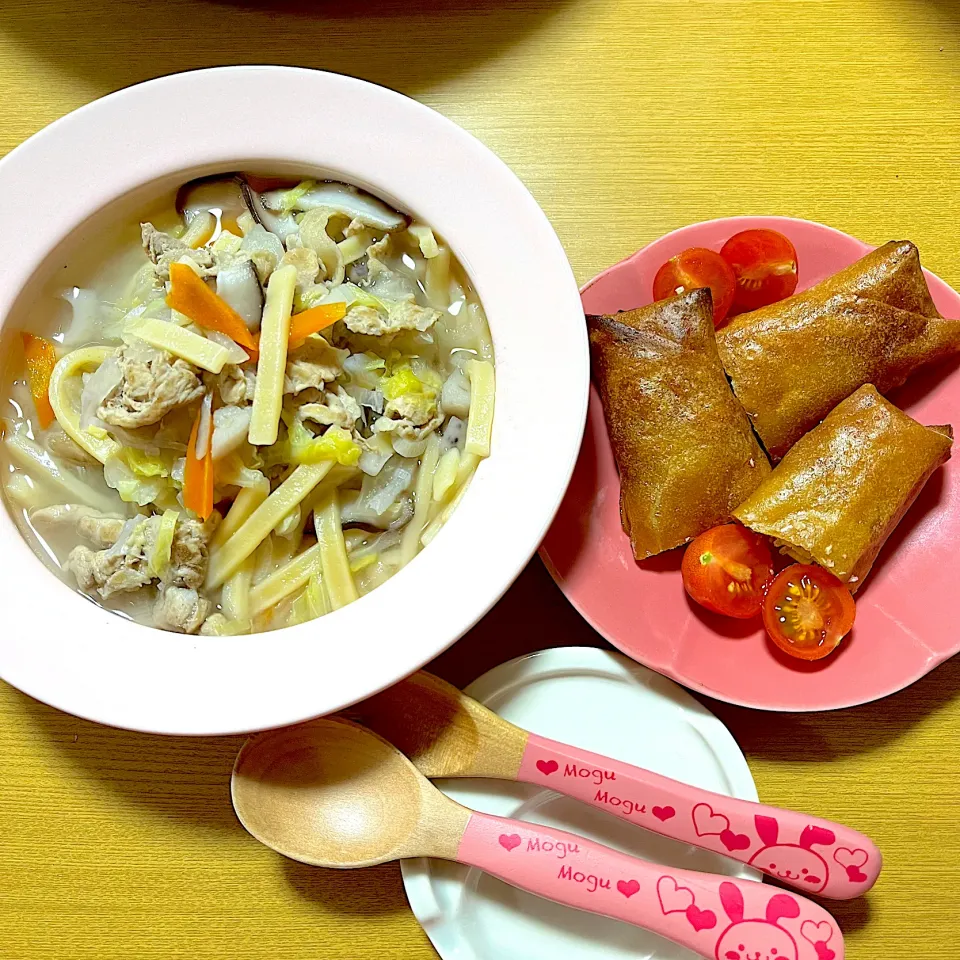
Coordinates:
404	44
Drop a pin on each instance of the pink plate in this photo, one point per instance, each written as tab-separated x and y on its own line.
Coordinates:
906	619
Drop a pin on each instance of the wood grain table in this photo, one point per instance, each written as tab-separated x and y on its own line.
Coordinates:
626	119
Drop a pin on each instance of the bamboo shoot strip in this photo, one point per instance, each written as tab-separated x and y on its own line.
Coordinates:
272	364
182	343
247	500
337	577
438	279
316	594
438	521
235	598
285	581
480	422
258	525
36	463
422	498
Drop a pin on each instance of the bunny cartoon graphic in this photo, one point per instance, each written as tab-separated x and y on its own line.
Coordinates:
756	939
796	862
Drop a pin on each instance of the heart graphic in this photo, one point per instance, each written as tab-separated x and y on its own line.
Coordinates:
701	919
707	823
855	875
673	898
664	813
823	951
628	887
546	767
734	841
850	858
509	841
816	932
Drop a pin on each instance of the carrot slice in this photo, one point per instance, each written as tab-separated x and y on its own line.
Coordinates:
193	298
41	357
198	471
311	321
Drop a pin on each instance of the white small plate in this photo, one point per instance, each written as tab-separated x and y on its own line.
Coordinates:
602	702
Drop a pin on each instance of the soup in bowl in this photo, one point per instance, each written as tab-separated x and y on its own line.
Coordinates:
256	405
401	307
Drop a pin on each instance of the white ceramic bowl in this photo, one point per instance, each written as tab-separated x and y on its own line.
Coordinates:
105	161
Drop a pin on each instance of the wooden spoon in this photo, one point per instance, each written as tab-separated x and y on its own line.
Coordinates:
333	794
447	734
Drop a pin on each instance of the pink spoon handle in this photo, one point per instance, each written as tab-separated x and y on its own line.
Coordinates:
716	917
811	855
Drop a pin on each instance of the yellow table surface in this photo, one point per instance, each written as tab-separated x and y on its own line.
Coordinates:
626	119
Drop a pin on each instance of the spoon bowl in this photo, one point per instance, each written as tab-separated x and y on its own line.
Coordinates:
329	793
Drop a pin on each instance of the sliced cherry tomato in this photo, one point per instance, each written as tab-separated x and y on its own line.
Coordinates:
725	569
807	611
765	265
693	269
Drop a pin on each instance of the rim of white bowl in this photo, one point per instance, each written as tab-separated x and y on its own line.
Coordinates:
62	649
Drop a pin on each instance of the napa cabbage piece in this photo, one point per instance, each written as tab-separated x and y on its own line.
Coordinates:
97	386
92	319
411	395
347	293
377	450
139	478
365	369
159	559
231	471
334	444
286	201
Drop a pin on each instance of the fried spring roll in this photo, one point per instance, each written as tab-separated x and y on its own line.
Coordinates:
791	363
683	445
841	490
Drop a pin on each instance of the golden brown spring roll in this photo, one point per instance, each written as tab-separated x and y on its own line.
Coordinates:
684	448
841	490
791	363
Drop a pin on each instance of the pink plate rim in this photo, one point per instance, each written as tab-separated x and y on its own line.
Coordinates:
924	659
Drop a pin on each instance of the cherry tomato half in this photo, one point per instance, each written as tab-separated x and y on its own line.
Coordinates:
765	265
807	611
693	269
725	569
